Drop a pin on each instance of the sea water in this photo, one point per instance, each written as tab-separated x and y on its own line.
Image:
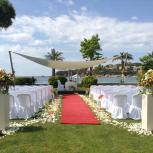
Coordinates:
111	79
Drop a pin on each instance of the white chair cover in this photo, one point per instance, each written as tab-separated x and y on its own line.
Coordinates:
38	96
43	94
60	86
51	92
25	105
118	110
135	107
13	107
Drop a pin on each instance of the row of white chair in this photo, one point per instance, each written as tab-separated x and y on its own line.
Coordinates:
120	101
24	103
119	107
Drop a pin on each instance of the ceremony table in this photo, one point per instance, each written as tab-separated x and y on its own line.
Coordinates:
25	101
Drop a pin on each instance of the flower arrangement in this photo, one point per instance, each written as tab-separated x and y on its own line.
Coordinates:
146	82
6	79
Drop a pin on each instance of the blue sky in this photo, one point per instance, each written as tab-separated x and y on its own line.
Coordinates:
120	9
61	24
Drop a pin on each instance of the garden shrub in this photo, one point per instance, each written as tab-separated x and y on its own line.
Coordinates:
53	80
62	79
87	81
25	80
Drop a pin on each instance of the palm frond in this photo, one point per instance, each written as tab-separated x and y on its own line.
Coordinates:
54	55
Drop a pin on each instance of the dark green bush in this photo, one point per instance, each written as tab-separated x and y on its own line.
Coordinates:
25	80
53	80
62	79
87	81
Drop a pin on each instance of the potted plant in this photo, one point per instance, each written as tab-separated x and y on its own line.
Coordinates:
87	81
146	83
5	80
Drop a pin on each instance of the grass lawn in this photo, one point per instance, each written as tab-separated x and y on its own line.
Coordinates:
57	138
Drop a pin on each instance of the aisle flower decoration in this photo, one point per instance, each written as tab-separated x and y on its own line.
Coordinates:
100	113
146	82
105	117
50	114
6	79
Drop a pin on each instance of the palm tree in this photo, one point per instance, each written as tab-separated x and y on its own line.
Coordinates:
124	57
150	54
54	55
147	61
7	13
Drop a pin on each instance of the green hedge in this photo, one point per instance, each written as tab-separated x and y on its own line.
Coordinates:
62	79
87	81
53	80
25	80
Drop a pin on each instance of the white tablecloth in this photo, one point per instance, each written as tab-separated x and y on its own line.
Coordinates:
34	97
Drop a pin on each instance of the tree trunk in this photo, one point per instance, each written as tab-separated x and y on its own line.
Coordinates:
123	72
118	68
123	67
53	72
90	71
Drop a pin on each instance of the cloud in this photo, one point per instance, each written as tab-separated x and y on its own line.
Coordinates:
15	37
67	2
134	18
64	29
74	12
84	8
23	67
37	35
38	43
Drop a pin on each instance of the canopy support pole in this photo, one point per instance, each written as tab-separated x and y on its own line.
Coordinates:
12	68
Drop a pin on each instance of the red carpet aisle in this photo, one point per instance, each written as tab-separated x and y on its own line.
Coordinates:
75	111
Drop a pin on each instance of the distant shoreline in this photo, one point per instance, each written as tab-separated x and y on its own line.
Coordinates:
97	75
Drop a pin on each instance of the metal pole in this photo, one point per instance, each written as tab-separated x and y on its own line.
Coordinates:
13	72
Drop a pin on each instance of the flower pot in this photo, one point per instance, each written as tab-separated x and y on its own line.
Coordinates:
147	112
4	111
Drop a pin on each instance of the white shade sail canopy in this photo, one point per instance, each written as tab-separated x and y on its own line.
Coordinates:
65	65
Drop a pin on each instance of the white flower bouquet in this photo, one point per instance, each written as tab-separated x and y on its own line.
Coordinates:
146	82
6	79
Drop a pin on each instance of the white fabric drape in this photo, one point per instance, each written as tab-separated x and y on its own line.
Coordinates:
25	101
65	65
105	97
